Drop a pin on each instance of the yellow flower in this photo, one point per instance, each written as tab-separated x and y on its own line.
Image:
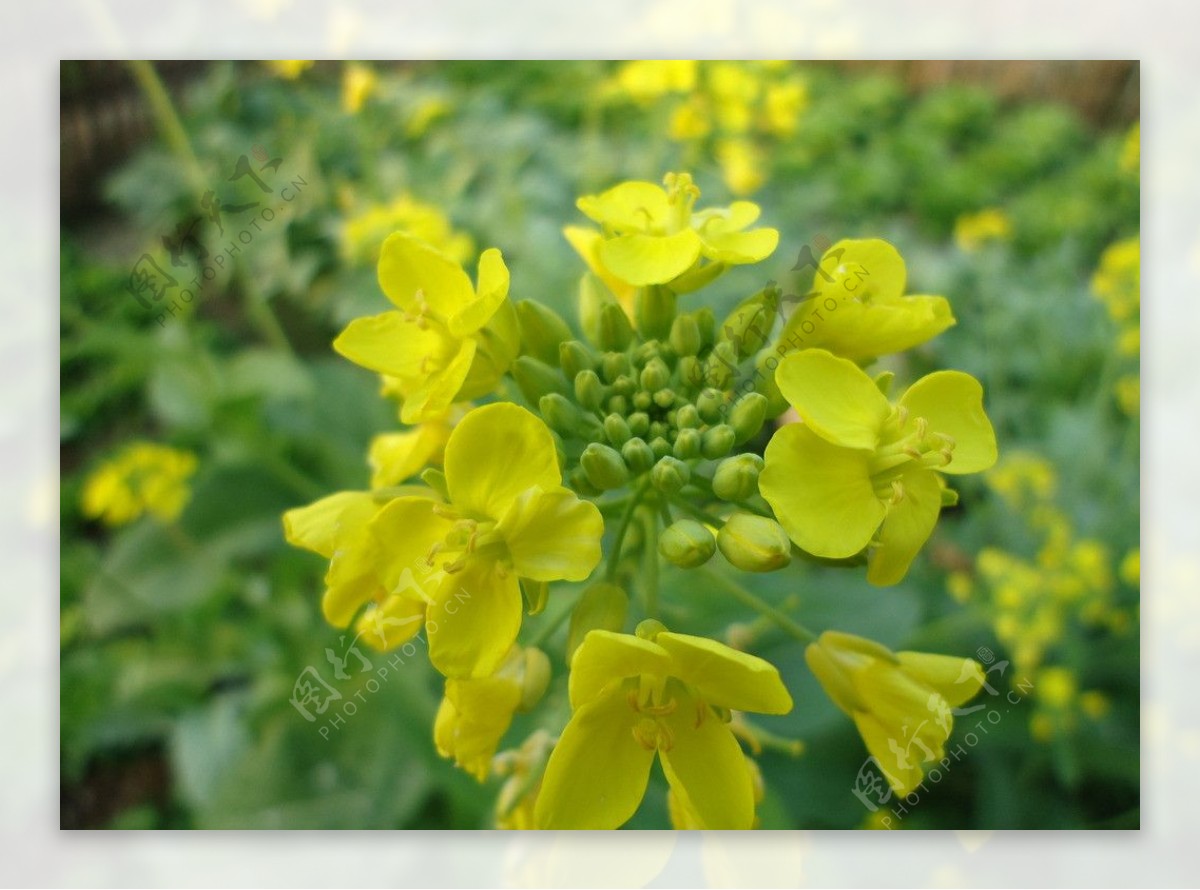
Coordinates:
735	90
446	341
857	308
337	527
143	478
1131	568
427	111
973	230
683	818
508	517
1128	389
690	120
475	713
1022	478
289	69
663	693
1118	281
741	165
358	84
900	701
644	80
361	235
523	768
860	471
782	106
652	235
397	457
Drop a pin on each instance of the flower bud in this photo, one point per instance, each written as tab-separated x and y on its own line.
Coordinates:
754	543
655	375
748	327
687	444
561	415
687	544
541	330
535	678
707	324
658	429
593	297
646	351
721	366
748	415
614	365
615	330
687	417
616	428
625	385
589	391
669	474
717	442
691	372
642	400
765	364
654	309
617	404
579	481
665	398
685	335
709	403
573	357
535	593
535	378
605	468
639	423
602	606
661	447
649	629
638	456
737	478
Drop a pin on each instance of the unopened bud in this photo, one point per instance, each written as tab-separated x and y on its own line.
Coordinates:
542	329
754	543
717	442
687	544
685	335
593	297
655	375
654	309
737	478
687	417
687	444
589	391
604	467
615	330
669	474
535	678
561	415
616	428
747	416
638	456
614	365
602	606
709	403
573	357
535	378
639	423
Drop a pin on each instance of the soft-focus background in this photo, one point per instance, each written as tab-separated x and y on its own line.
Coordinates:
1011	188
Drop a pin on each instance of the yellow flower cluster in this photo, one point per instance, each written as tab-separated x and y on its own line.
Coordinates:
732	107
361	235
1038	605
143	478
973	230
1118	285
474	511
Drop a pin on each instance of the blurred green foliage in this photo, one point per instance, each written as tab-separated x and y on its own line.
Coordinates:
181	643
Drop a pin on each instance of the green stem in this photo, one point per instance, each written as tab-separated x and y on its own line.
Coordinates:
167	120
746	598
614	558
701	514
650	565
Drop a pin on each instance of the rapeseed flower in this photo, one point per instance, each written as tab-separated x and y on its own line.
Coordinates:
144	477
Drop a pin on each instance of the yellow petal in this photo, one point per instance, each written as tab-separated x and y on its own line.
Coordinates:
705	766
952	402
552	535
862	332
628	207
587	244
397	457
726	677
412	272
495	453
353	579
474	619
604	658
738	248
318	526
906	527
472	719
493	289
405	532
957	680
865	269
834	397
903	771
440	388
643	260
821	493
598	771
390	344
391	623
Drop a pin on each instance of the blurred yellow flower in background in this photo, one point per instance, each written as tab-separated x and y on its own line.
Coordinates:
362	235
359	83
289	69
144	477
973	230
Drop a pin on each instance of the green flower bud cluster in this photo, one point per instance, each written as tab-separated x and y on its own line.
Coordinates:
653	397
